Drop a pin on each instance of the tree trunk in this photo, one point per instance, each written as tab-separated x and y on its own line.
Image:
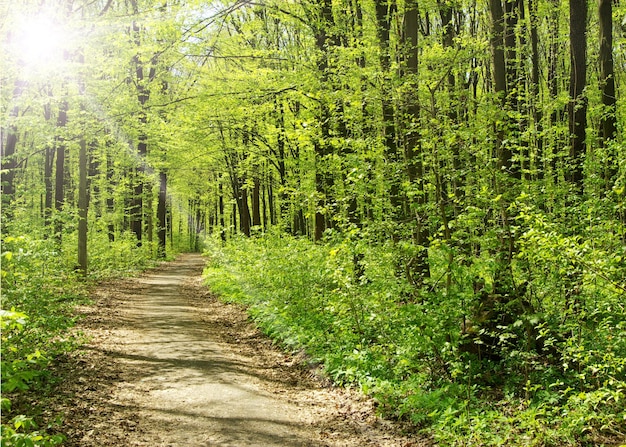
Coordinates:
553	80
221	211
256	202
417	268
83	187
110	202
608	120
534	86
142	80
270	199
161	215
325	40
244	210
385	10
7	160
59	180
516	85
497	48
83	206
577	106
281	167
48	167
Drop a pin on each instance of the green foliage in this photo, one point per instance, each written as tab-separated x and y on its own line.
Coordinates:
21	431
559	377
39	291
466	280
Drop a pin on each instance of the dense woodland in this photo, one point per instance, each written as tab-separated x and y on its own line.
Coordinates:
428	197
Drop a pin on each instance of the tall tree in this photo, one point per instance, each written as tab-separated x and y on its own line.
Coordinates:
386	11
577	106
326	40
8	159
161	214
417	268
59	180
608	120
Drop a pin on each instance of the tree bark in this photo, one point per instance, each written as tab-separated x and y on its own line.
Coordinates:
7	160
256	202
577	106
534	87
161	215
417	268
608	120
142	79
385	10
553	79
47	176
110	202
59	180
83	206
221	211
497	48
83	187
325	39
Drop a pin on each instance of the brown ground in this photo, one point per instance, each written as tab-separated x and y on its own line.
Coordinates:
167	364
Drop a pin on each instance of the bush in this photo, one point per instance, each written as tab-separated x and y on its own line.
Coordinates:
347	306
39	292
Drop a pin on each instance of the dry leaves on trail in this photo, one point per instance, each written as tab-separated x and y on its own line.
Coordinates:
113	390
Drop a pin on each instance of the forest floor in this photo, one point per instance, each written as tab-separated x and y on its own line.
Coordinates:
168	364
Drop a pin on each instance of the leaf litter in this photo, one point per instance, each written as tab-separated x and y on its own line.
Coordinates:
168	364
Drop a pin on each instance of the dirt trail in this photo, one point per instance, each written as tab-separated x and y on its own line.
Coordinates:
169	365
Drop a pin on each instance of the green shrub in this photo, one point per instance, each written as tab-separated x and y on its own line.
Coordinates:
558	378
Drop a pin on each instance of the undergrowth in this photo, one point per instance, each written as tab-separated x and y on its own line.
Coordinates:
558	377
40	289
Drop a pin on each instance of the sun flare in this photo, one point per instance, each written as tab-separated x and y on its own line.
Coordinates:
40	42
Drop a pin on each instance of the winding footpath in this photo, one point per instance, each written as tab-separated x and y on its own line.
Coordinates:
184	369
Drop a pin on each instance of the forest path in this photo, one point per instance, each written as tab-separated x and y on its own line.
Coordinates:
169	365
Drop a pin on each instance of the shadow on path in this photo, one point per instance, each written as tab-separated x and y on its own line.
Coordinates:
170	365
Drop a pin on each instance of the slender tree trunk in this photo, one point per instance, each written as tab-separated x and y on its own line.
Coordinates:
48	167
47	175
83	187
497	48
161	215
7	160
385	11
149	214
282	170
270	199
244	210
516	85
502	152
169	221
264	202
94	196
577	107
534	87
417	268
136	205
221	211
142	79
553	81
83	206
326	40
110	202
256	202
608	120
59	181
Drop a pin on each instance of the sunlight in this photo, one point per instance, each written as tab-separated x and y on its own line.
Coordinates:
39	43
